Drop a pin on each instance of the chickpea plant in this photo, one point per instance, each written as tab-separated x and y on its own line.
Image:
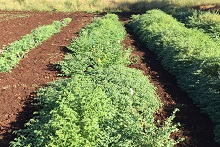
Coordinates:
189	54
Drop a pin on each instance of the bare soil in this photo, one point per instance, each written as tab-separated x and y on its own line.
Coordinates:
17	89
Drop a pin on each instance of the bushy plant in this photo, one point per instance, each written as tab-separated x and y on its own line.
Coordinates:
189	54
209	22
99	45
98	109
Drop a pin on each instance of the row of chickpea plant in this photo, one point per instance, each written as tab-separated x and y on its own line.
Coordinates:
209	22
102	103
189	54
12	54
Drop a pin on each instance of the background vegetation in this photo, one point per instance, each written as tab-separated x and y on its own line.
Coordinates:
95	5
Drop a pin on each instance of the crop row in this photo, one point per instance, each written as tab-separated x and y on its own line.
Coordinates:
189	54
99	45
12	54
103	103
209	22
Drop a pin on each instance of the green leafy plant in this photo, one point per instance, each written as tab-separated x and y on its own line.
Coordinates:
209	22
189	54
99	45
98	109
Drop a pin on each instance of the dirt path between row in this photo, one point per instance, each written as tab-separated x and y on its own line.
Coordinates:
18	88
196	128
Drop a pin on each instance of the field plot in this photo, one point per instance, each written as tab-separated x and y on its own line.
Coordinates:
101	103
107	79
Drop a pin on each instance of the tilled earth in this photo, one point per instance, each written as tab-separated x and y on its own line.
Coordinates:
18	88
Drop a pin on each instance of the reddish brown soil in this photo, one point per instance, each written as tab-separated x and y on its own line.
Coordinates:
208	7
196	128
17	88
14	29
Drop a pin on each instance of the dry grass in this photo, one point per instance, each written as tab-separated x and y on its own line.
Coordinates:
95	5
7	16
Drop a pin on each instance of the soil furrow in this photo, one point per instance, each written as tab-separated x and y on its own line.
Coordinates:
18	88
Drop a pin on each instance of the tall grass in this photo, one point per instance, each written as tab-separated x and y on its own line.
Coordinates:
95	5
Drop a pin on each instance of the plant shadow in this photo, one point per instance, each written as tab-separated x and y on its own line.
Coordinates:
22	117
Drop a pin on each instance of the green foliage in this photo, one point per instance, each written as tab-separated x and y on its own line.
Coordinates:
189	54
99	45
180	13
97	109
209	22
12	54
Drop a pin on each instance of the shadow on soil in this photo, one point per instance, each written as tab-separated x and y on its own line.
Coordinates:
21	119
